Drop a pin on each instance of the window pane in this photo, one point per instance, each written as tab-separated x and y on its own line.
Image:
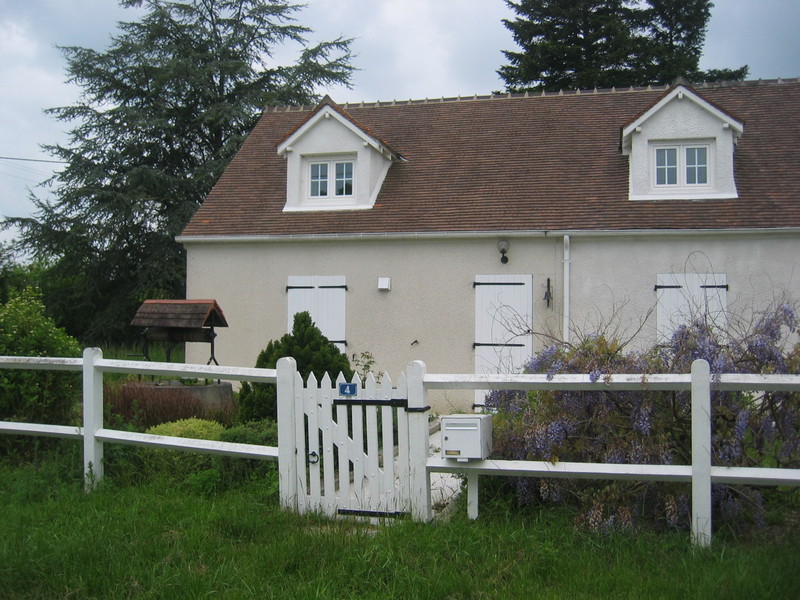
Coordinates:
666	166
696	166
319	179
344	179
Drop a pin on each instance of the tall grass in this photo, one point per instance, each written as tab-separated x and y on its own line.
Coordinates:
162	540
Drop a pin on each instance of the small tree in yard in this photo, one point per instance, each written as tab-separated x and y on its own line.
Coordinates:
33	395
313	352
649	427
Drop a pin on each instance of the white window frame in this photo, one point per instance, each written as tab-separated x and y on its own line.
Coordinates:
682	165
331	178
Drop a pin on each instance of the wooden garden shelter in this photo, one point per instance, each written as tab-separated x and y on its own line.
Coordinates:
175	321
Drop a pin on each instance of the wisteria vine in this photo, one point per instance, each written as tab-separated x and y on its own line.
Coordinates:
649	427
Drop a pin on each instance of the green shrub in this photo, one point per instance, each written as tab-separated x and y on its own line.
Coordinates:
262	433
238	470
179	465
313	352
34	395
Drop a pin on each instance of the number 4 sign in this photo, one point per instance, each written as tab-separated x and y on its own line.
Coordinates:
348	389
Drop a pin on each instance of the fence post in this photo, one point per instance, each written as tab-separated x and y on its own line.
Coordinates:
472	495
92	418
418	442
701	453
287	463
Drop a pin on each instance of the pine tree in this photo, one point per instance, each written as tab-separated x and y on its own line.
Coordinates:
568	44
583	44
162	111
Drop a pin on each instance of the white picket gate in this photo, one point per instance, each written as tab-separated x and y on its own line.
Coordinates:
351	453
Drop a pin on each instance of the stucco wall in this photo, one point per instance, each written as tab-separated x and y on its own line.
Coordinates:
429	312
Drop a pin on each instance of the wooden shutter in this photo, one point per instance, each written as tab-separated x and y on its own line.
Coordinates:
503	322
323	296
681	297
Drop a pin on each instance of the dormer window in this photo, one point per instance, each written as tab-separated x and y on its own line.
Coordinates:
682	148
331	176
333	163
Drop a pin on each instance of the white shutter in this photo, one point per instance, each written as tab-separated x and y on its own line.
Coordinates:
682	297
323	296
503	322
671	304
712	298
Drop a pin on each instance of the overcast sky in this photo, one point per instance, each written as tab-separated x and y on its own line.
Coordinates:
406	49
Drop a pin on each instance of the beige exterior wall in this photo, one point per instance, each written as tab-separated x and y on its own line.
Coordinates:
429	312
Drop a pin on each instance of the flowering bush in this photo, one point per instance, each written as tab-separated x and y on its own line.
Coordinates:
649	427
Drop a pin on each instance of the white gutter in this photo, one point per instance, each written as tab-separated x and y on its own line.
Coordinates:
250	239
565	326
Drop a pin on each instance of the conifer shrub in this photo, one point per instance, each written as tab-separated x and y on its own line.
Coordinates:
313	352
29	395
650	427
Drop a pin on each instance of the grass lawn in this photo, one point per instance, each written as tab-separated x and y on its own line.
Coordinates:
161	540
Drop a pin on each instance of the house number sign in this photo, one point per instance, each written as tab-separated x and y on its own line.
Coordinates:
348	389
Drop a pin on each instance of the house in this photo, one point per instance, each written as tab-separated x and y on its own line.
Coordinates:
470	232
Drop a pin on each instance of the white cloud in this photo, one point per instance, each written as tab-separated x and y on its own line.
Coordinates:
16	43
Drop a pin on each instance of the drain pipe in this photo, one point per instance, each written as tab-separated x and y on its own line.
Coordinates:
565	326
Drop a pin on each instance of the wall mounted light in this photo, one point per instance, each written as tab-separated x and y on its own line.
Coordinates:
502	246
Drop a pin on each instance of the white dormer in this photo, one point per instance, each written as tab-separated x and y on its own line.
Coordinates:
682	148
332	163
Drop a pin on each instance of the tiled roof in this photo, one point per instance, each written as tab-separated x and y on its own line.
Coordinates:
547	162
179	313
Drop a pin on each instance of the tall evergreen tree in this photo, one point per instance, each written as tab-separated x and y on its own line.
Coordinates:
582	44
162	111
568	44
674	32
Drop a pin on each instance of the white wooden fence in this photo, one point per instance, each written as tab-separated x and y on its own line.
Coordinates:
362	453
93	432
324	465
701	474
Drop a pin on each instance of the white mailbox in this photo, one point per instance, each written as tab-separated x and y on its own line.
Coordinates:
466	437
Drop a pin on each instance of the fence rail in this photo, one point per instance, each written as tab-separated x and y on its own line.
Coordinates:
94	435
701	474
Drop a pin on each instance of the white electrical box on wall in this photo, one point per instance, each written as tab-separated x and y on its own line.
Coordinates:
466	437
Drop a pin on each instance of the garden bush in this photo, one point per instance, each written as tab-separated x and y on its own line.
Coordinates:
239	470
650	427
36	396
313	352
178	465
